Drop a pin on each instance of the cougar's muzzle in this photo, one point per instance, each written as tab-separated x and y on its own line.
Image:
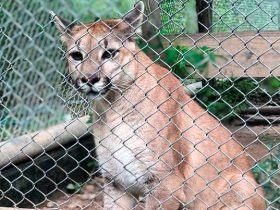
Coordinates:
93	86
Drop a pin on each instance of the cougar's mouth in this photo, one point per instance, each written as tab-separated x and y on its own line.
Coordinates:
99	89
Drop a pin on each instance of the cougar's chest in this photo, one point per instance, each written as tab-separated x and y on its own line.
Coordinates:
121	151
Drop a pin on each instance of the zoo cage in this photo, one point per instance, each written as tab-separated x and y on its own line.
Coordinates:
225	53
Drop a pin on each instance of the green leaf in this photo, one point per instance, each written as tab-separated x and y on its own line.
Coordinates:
172	55
70	187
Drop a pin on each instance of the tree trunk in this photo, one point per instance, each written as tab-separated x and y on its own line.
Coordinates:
151	28
204	15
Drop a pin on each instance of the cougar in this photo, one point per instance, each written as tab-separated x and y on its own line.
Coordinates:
154	142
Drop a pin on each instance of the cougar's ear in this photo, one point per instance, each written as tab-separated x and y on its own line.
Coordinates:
64	26
134	18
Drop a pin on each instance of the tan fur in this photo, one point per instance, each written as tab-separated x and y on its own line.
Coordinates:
153	140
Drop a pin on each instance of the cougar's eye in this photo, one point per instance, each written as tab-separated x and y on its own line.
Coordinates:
77	56
110	53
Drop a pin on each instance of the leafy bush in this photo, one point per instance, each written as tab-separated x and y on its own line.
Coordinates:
271	85
267	174
226	98
91	9
183	60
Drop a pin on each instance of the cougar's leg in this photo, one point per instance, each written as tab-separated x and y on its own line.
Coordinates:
243	194
117	199
163	201
166	194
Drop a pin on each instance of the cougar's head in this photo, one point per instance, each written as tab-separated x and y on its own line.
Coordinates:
101	55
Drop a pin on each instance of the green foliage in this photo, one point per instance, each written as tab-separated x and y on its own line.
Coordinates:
240	15
74	187
92	9
226	98
93	164
267	173
183	60
271	85
178	17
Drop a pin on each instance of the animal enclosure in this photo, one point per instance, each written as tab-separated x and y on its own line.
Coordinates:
226	56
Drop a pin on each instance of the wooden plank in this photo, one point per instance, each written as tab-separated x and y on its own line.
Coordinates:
243	54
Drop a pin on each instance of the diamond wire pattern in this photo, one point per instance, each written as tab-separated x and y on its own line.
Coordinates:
36	92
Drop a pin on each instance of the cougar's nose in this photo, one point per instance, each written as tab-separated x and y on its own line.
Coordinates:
91	80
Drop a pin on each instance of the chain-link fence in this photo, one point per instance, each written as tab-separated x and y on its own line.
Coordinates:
120	104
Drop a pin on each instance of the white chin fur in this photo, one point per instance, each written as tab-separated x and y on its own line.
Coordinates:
85	88
93	96
96	87
88	90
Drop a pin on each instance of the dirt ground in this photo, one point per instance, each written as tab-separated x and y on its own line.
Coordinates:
90	196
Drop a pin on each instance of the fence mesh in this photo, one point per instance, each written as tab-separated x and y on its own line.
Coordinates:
88	122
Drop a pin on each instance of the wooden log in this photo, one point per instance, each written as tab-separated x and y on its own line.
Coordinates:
10	208
267	110
253	120
241	54
31	145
